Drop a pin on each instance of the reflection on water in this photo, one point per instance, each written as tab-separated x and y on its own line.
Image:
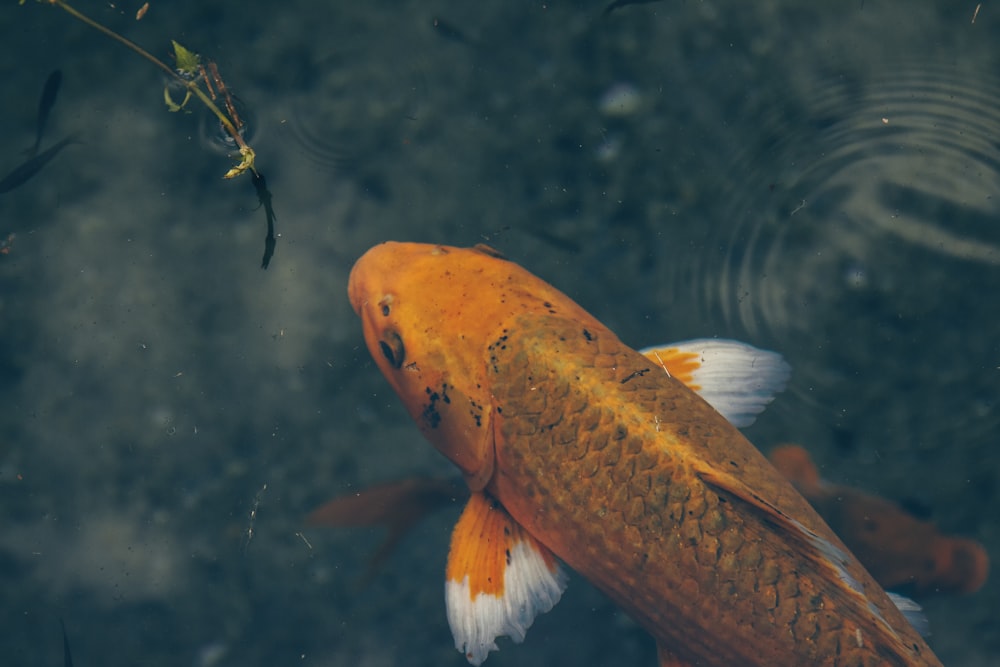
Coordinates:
345	123
880	186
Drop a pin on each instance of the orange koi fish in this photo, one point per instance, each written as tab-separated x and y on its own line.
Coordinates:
578	450
897	548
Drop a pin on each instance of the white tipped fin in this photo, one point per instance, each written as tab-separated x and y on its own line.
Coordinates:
913	612
498	579
736	379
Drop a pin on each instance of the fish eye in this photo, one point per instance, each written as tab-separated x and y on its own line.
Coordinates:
392	348
384	304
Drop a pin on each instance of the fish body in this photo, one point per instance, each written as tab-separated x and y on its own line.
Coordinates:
27	169
45	104
626	475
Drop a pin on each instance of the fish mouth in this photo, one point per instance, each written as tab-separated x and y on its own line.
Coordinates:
355	292
371	268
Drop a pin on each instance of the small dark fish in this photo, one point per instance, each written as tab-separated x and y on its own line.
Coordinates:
45	105
449	31
264	196
67	656
23	173
617	4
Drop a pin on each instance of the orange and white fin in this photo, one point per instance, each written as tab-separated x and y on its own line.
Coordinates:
498	579
736	379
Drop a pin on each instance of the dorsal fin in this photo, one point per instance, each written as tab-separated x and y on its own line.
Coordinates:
815	548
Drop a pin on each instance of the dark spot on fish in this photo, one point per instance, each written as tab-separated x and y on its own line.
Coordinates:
634	374
385	310
429	414
506	553
589	336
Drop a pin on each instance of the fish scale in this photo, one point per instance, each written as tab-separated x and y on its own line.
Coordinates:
595	462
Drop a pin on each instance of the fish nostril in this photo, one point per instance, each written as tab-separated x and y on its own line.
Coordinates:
392	348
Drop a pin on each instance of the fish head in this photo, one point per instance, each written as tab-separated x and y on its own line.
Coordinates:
430	314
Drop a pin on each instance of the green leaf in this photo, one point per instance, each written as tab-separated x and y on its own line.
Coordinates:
173	106
187	62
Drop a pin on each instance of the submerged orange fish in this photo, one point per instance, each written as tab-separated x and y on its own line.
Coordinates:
577	448
896	547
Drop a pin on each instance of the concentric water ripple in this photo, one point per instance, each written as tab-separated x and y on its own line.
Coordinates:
873	188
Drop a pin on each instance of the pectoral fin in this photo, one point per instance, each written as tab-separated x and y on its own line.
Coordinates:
498	579
736	379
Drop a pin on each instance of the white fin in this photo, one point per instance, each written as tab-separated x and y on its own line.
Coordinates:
913	612
499	578
736	379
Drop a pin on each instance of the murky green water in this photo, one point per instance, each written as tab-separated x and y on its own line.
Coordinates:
818	180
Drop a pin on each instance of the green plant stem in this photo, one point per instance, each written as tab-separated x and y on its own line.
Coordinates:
190	85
